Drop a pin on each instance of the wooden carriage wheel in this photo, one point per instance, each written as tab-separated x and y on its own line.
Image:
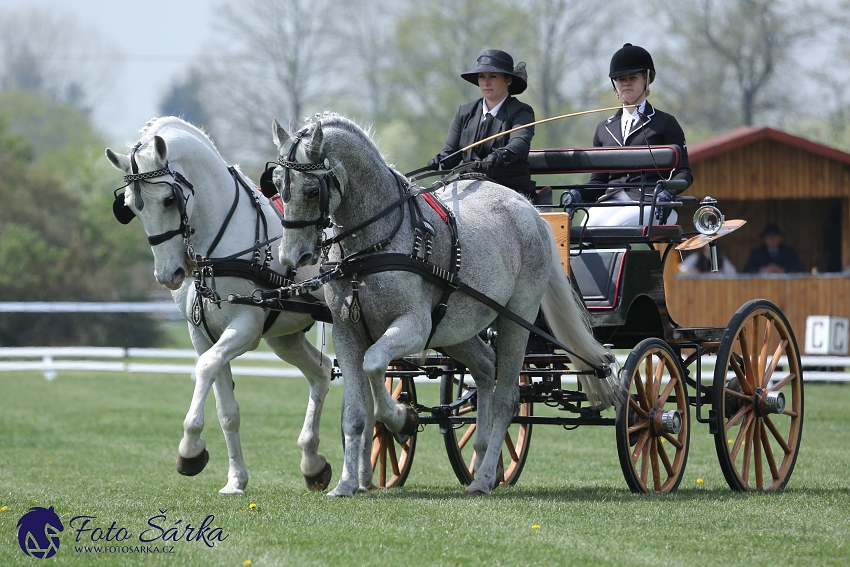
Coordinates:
458	439
392	454
758	399
653	427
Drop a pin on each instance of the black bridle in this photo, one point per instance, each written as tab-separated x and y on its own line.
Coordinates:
125	214
322	171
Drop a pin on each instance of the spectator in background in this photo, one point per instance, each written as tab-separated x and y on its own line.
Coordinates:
700	263
773	257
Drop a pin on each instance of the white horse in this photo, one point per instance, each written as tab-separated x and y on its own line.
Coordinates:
332	168
193	206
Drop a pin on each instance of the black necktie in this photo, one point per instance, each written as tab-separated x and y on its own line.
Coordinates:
484	127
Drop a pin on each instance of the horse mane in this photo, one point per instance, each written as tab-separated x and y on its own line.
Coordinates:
156	127
333	120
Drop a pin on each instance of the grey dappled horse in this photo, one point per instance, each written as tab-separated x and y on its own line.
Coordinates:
508	254
185	208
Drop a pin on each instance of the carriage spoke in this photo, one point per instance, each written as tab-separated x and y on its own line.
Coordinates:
638	410
763	354
638	426
656	383
740	439
641	392
737	417
393	459
653	457
781	384
511	449
774	362
748	451
768	453
777	435
736	368
739	395
748	364
398	388
672	440
467	435
644	465
641	442
666	393
757	454
668	466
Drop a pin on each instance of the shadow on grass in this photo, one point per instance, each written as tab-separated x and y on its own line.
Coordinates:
602	494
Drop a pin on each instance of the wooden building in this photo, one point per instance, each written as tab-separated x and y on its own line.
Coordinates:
763	175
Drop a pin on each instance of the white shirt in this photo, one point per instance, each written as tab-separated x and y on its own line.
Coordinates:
494	110
629	120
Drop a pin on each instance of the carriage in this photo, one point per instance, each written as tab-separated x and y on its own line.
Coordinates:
752	402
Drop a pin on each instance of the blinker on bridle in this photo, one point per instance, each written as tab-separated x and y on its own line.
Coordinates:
268	188
125	214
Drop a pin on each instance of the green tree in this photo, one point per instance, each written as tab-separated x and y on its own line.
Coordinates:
58	240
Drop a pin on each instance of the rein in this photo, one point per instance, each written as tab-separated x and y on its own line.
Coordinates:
368	261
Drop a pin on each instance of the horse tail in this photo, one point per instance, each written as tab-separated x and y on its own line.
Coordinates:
569	322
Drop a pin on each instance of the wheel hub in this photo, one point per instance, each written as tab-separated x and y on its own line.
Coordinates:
769	402
669	422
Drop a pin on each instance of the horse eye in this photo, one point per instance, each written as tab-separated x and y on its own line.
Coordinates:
314	193
169	201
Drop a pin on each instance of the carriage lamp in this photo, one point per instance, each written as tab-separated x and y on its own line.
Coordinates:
708	219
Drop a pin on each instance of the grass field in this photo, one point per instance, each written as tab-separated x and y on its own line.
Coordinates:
104	446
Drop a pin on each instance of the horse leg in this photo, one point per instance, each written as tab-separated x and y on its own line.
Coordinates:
357	466
213	367
480	359
192	453
505	400
406	335
230	420
298	351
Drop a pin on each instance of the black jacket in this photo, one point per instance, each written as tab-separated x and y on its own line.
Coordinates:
515	174
656	128
786	258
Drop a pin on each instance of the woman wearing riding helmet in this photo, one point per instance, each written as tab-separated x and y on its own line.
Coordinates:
503	159
631	72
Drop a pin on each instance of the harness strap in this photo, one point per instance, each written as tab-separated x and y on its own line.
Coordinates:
434	273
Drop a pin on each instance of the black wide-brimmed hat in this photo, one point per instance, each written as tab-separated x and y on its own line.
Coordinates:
496	61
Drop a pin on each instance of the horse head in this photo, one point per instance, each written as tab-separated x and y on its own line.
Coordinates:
311	185
158	196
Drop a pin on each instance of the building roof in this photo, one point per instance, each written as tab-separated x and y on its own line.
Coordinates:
747	135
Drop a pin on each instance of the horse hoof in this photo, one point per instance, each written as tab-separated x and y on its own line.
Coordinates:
319	482
194	465
411	423
476	493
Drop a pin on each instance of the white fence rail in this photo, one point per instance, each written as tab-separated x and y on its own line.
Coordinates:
51	360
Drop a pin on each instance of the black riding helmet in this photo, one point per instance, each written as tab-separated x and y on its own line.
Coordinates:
631	59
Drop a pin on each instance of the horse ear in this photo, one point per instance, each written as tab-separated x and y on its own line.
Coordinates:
160	149
278	134
118	161
314	148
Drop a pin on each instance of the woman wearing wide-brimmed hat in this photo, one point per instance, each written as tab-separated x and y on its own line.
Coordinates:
503	159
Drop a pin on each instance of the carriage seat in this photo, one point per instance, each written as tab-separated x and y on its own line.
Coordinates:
591	160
